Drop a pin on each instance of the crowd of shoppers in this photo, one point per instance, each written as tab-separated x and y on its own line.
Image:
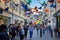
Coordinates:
22	30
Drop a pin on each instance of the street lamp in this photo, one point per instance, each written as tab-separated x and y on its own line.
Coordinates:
12	10
20	8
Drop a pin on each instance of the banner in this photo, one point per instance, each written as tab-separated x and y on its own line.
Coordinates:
58	1
43	4
25	6
28	1
6	9
40	7
53	5
51	1
46	10
6	0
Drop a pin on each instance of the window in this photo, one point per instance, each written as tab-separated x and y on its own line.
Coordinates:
58	21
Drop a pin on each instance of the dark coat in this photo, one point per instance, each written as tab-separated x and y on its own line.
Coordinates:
3	28
3	32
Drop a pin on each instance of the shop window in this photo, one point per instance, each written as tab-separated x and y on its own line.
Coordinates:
58	21
16	21
1	17
5	20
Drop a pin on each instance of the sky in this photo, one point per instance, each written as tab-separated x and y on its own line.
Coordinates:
36	3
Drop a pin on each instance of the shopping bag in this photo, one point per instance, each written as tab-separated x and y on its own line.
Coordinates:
17	37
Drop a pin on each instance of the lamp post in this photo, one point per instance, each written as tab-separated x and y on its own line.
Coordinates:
20	8
12	10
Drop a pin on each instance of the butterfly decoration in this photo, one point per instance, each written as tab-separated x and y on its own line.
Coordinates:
51	1
53	5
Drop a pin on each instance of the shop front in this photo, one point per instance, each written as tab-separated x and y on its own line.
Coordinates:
6	20
16	22
57	16
58	26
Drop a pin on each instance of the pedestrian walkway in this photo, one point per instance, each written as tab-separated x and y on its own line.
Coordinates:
46	36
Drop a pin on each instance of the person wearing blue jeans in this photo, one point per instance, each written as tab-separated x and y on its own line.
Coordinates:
31	29
43	31
40	32
31	33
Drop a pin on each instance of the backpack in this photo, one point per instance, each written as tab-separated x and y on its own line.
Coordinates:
21	33
12	30
4	36
17	37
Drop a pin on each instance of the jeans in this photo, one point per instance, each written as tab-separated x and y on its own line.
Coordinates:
58	34
43	31
40	32
31	34
51	32
21	37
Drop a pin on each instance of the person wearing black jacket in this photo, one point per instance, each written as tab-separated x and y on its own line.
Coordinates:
25	30
20	32
3	32
12	31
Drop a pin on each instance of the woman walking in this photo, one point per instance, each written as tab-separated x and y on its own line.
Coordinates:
31	30
20	32
41	26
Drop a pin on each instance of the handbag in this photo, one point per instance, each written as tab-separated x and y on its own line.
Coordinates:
17	37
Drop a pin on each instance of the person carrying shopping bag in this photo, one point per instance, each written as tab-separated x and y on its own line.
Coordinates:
12	31
20	31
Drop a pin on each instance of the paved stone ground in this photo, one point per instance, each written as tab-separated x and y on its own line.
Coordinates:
46	36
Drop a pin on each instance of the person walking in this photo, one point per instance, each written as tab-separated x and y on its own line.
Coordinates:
56	31
20	32
31	28
25	26
41	30
51	28
12	31
37	28
3	32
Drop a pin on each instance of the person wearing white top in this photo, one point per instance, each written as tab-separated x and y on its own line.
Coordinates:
31	29
51	28
52	25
